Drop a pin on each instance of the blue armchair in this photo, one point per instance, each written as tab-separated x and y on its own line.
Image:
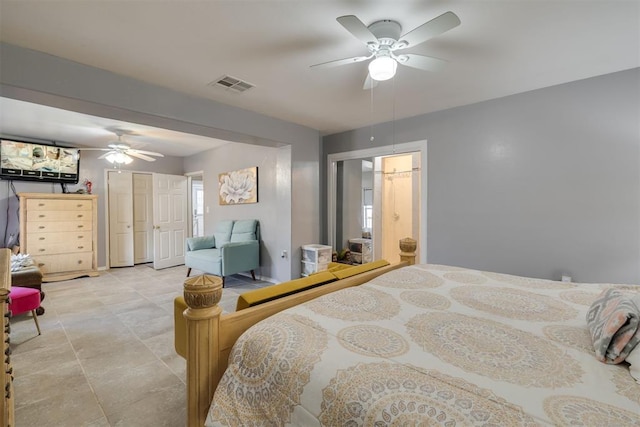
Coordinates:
234	247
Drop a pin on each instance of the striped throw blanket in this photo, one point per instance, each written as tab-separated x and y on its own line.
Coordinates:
614	324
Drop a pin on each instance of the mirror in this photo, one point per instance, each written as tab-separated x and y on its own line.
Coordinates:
374	201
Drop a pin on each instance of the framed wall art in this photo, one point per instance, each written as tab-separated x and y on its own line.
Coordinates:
238	187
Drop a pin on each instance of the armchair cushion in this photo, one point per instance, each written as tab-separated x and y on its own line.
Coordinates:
204	242
222	232
244	230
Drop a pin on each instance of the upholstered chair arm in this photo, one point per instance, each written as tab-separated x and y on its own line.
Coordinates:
240	256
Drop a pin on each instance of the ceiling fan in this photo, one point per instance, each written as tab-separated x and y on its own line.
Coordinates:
120	153
383	39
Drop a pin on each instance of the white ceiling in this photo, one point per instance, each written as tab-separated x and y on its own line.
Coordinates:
501	48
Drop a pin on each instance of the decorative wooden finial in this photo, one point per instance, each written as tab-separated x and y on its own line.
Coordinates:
408	250
202	291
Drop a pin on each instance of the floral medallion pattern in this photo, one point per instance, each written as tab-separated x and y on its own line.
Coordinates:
427	345
404	395
356	304
371	340
277	352
579	297
466	278
579	411
513	303
571	336
425	299
626	385
408	278
494	350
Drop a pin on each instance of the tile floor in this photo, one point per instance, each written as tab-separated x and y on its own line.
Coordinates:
105	356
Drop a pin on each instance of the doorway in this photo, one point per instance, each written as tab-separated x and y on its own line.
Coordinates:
397	205
378	196
197	205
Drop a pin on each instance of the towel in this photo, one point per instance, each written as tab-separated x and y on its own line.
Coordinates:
614	322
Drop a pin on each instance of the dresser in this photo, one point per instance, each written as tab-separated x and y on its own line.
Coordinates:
6	408
60	232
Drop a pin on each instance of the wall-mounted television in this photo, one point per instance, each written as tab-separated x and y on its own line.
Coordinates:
36	161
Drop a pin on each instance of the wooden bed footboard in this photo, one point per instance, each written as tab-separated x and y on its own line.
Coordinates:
210	335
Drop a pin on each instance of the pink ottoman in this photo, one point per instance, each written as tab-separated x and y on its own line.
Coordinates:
23	300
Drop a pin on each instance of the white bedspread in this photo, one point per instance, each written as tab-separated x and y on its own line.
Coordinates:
429	344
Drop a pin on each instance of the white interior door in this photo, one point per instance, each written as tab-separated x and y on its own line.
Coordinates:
120	219
170	216
142	218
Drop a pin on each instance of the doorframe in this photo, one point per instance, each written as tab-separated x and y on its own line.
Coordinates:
190	176
387	150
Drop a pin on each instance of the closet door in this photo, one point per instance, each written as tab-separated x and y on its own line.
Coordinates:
142	218
120	219
170	218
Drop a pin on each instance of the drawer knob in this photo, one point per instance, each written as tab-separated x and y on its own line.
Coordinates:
41	264
80	226
79	205
80	216
42	249
41	216
40	204
81	237
41	238
79	261
80	247
41	227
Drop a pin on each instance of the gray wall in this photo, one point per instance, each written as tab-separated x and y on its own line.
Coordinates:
539	184
36	77
269	208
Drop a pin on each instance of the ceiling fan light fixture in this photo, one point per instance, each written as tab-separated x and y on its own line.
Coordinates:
382	68
118	158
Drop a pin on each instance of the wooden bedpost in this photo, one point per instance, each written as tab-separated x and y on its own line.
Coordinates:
408	250
202	295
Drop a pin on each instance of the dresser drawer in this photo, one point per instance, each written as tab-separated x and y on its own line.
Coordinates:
43	216
53	243
52	226
64	262
59	205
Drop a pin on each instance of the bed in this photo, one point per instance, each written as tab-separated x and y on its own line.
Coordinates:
409	345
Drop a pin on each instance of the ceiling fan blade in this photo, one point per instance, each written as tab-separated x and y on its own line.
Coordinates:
140	156
355	26
369	83
118	146
430	29
149	153
339	62
422	62
105	154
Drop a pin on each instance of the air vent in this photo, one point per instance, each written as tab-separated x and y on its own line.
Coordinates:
231	83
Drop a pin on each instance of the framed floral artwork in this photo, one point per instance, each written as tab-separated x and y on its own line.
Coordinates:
238	187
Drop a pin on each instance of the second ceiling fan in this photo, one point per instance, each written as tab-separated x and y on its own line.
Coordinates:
120	153
383	39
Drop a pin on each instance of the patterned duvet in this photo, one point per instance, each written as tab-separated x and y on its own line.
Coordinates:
429	344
